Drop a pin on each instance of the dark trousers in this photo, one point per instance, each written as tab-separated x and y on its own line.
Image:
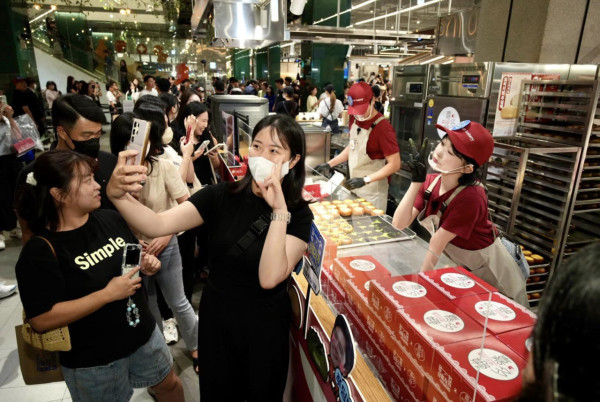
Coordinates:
10	167
335	128
244	342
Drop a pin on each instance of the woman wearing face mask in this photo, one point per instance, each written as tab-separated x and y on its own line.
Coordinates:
373	154
260	227
452	206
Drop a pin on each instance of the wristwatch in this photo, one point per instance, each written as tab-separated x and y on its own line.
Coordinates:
281	217
367	179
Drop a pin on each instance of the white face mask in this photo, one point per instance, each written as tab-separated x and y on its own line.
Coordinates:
261	168
167	136
365	116
435	167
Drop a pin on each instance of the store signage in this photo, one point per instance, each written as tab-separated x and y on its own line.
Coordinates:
457	33
314	254
507	108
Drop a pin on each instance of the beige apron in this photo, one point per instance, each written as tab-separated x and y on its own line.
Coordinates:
493	264
360	165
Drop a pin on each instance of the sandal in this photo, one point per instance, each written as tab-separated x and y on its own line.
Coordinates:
196	365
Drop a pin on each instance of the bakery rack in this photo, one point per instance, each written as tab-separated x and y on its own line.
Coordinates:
555	207
568	112
530	183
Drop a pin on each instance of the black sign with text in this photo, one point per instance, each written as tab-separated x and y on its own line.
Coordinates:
457	33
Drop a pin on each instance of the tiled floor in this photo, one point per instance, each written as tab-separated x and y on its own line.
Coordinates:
12	387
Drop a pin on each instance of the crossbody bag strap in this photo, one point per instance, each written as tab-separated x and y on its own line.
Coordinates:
256	229
49	244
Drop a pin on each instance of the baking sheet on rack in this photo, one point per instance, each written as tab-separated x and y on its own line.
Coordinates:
368	230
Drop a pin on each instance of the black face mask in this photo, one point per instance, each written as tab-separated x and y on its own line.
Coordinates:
89	147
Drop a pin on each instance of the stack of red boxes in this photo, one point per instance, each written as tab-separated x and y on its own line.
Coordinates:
424	332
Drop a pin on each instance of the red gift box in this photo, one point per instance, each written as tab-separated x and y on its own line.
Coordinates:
431	324
499	367
457	282
503	313
363	266
520	340
390	294
333	292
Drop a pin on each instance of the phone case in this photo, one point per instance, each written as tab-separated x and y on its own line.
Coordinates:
139	140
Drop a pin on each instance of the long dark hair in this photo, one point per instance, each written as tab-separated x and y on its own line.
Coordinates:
56	168
120	132
565	346
291	136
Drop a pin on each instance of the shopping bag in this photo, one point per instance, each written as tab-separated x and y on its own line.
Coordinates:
37	366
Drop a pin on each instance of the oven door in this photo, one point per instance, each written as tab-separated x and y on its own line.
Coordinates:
407	120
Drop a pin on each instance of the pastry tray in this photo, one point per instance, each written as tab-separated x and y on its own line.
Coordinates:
370	230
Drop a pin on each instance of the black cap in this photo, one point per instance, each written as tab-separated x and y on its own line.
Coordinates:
329	88
288	90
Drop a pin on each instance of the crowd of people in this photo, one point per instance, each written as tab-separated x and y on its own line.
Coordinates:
75	202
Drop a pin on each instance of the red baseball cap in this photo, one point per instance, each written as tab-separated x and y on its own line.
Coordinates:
471	139
359	97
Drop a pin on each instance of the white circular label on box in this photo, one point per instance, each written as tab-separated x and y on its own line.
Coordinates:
362	265
409	289
493	364
458	281
529	344
367	285
495	311
444	321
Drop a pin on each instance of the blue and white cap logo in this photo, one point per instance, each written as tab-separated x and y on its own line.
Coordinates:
461	125
350	100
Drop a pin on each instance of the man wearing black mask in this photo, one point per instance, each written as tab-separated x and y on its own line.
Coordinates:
77	124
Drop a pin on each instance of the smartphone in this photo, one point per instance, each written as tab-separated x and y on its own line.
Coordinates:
132	258
221	145
188	134
4	103
203	146
139	140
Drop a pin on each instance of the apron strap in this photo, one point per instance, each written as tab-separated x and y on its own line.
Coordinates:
376	122
427	194
452	196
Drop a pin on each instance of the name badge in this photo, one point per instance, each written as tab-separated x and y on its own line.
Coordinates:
352	144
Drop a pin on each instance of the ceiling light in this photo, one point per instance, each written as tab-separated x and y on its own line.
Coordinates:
37	6
122	11
274	10
432	60
53	7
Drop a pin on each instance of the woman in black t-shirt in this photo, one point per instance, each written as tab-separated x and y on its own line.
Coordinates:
288	105
245	313
69	274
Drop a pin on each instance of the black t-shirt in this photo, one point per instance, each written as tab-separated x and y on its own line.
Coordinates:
25	98
228	217
87	258
106	165
289	107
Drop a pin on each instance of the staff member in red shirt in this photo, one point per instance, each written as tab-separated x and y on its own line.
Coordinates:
452	206
373	153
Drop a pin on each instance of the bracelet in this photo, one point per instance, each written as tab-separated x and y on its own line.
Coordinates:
281	217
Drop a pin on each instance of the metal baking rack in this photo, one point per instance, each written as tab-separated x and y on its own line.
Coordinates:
568	111
530	182
556	210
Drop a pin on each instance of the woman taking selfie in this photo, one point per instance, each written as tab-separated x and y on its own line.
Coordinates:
452	207
245	313
70	274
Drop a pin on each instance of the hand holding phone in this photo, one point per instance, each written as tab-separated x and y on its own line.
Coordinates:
203	146
220	145
132	258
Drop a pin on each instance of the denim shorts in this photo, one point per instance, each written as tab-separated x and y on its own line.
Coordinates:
114	382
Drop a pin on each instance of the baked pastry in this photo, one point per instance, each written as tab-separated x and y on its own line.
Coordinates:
376	212
358	211
368	208
345	211
529	260
345	240
537	259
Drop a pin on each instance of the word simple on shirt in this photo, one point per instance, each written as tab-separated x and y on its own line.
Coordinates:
90	259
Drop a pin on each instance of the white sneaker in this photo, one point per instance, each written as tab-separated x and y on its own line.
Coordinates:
16	233
7	290
170	331
2	242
